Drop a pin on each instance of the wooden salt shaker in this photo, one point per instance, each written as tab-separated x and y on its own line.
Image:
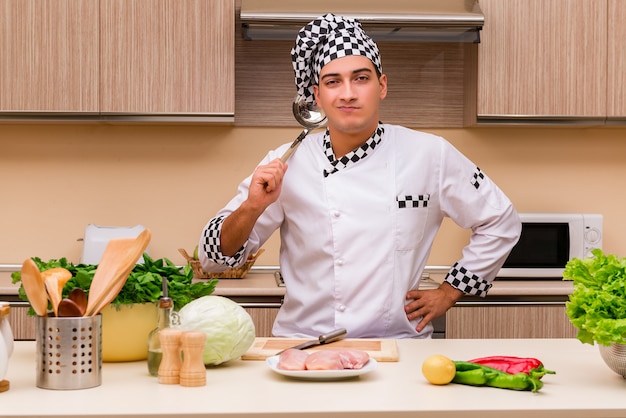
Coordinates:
169	369
193	371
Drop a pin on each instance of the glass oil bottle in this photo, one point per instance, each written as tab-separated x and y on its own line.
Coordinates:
164	320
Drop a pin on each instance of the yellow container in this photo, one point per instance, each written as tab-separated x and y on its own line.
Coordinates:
125	330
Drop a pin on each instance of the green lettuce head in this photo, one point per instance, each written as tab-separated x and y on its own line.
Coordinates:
597	306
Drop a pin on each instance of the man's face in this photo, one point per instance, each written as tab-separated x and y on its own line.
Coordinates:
350	92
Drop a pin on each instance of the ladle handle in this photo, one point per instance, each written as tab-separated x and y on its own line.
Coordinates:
294	145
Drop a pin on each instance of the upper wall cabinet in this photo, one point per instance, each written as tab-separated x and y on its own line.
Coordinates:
167	57
617	60
547	60
136	60
49	56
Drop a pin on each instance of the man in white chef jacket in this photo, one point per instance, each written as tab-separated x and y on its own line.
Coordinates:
358	206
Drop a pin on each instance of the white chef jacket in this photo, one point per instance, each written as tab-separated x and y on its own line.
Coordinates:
354	242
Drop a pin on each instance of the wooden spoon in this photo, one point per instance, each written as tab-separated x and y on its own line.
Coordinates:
61	273
74	305
79	297
34	287
118	260
51	284
54	280
68	308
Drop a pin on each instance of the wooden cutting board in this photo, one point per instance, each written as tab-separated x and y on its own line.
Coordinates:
379	349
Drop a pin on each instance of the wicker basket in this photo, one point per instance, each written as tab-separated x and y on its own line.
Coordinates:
234	273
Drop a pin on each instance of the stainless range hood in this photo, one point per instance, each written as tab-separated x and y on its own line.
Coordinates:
391	20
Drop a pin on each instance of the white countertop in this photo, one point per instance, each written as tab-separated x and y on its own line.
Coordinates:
583	387
264	284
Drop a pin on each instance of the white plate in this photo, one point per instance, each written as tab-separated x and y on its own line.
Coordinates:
321	374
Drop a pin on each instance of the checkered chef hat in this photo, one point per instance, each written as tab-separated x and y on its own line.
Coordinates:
323	40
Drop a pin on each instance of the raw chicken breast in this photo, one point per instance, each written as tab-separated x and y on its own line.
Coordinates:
292	359
324	360
353	359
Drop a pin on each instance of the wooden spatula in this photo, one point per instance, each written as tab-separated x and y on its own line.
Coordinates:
34	287
118	260
54	280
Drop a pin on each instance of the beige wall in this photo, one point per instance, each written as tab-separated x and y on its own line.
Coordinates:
56	179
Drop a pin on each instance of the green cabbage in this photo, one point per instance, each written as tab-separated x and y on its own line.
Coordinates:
597	306
228	327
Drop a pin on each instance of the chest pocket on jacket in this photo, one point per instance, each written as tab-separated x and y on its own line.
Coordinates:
411	215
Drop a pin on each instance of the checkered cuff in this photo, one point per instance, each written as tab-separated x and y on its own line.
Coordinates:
211	244
467	282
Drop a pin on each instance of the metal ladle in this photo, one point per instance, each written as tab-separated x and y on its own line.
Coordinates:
309	116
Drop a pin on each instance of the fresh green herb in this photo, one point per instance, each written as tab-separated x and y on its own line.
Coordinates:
597	306
144	284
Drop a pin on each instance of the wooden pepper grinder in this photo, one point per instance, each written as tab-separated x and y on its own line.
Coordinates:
169	369
193	371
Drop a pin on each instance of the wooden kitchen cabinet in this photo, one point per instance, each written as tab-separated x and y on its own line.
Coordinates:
23	326
500	321
117	57
509	321
548	59
429	84
167	56
616	74
263	318
49	56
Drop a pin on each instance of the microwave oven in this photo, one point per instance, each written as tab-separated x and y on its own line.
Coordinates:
548	241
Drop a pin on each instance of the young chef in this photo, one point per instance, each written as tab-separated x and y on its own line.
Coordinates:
359	205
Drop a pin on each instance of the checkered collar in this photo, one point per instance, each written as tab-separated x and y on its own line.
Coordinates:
353	156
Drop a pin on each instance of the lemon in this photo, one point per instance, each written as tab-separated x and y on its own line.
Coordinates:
438	369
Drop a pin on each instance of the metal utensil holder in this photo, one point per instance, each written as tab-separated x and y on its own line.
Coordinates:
69	352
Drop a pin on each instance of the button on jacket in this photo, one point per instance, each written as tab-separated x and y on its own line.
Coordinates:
355	241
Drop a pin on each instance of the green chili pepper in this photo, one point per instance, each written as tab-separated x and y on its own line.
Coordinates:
476	377
518	381
473	374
